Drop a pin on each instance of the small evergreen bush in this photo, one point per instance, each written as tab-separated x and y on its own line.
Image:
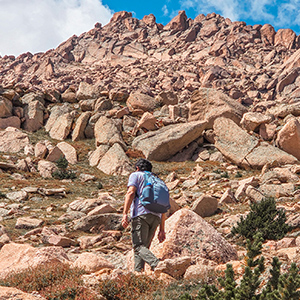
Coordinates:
265	218
62	172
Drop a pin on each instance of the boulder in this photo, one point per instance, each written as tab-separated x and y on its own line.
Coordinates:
18	257
107	133
252	120
245	150
174	267
15	294
87	91
205	206
40	150
188	234
28	223
141	101
178	23
167	98
115	162
267	32
162	144
80	125
54	154
56	112
34	116
13	140
85	205
147	121
102	209
91	262
96	155
6	107
46	168
99	222
13	121
209	104
288	138
62	241
285	37
62	127
19	196
68	151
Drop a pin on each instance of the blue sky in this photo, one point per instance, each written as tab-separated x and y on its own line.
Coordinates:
40	25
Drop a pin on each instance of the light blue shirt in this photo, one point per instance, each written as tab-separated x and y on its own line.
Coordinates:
136	179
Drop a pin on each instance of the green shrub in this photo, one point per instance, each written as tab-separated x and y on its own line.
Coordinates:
265	218
62	172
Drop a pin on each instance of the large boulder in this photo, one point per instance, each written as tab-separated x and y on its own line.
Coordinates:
87	91
56	112
209	104
68	151
267	34
288	138
115	162
178	23
17	257
5	107
13	121
141	101
107	133
188	234
62	127
34	116
13	140
245	150
285	37
162	144
81	123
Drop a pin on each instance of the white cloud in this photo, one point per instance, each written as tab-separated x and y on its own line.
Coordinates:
165	10
40	25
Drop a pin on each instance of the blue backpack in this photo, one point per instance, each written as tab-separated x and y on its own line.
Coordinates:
155	195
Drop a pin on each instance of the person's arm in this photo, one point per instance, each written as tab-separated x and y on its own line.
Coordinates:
161	234
128	200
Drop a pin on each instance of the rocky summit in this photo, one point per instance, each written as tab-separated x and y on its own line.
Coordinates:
215	105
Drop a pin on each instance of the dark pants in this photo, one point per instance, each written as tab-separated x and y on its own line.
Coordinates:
143	229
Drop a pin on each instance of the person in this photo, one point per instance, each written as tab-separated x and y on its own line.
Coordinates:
143	222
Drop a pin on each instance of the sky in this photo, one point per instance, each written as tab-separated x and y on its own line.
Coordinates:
39	25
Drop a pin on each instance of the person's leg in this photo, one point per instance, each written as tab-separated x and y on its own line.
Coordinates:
137	240
148	227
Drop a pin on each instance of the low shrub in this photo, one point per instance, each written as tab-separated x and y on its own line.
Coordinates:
128	287
53	281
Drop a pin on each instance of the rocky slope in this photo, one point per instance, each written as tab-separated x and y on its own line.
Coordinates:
213	103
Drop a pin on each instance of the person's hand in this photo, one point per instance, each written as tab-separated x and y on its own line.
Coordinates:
125	221
161	236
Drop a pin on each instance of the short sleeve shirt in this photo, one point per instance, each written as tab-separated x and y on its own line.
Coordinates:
136	179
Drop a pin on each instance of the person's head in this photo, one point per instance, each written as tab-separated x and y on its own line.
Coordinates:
143	165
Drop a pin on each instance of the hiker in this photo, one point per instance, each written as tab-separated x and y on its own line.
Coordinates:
143	221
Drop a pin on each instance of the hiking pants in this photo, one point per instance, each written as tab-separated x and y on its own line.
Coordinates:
142	230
